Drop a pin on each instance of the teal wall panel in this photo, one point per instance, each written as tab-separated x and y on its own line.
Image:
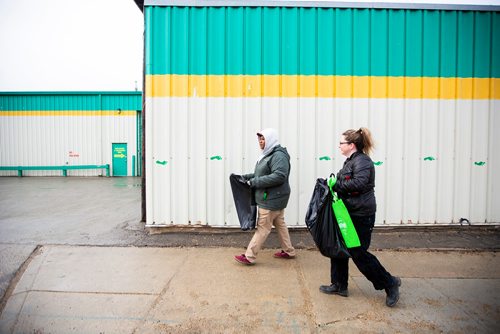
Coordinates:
235	61
216	36
271	41
495	45
396	41
361	47
198	42
323	41
379	27
179	55
448	48
158	39
308	42
253	41
465	61
343	42
431	44
482	44
326	28
289	41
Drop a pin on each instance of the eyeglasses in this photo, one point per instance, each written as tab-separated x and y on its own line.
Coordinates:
344	142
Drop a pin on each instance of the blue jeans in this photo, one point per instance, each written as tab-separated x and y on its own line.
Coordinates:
366	262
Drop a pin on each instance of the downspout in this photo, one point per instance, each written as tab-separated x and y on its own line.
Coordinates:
138	153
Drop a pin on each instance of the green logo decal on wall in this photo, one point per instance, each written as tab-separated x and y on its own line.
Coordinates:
216	157
161	162
325	158
377	163
479	163
429	158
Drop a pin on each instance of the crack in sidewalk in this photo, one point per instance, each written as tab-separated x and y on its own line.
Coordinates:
308	303
158	299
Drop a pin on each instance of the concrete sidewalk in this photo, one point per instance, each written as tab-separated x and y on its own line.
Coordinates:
96	269
84	289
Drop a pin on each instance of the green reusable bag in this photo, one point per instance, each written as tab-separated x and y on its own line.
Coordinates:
344	221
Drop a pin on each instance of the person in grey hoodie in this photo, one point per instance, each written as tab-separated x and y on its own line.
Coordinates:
272	191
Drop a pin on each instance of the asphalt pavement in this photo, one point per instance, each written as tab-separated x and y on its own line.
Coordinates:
76	259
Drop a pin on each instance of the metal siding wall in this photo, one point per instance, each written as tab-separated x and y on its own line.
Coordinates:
192	186
493	208
429	150
44	138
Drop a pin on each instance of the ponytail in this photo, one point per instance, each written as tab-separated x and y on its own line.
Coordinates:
361	138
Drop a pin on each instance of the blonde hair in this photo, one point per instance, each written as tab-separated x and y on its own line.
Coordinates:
362	138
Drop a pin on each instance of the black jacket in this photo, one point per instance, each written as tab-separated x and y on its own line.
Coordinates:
355	185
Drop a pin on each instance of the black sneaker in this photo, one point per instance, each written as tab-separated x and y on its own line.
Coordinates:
334	289
393	293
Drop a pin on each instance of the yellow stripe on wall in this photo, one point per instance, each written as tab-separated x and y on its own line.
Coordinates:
68	113
321	86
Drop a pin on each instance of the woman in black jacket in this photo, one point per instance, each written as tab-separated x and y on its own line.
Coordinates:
355	186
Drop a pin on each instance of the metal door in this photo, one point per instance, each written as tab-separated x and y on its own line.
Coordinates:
119	159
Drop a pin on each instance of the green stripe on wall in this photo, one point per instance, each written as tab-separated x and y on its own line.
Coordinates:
120	113
70	101
322	41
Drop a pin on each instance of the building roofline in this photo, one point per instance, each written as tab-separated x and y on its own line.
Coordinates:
458	5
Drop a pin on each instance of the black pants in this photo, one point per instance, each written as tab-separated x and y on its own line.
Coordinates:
366	262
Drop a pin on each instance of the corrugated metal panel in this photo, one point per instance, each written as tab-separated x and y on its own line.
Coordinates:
74	128
321	41
427	83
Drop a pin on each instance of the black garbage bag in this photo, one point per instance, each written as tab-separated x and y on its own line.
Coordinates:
243	201
321	223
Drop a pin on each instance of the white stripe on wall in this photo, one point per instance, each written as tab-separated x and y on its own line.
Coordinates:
47	141
427	150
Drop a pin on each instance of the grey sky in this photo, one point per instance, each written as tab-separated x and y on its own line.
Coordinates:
80	45
70	45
